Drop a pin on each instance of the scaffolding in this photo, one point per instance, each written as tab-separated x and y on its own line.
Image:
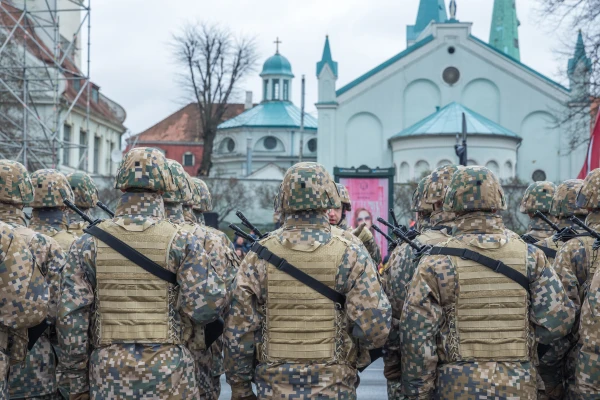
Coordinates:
41	79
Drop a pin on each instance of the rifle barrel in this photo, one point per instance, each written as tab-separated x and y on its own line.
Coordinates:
83	215
382	233
586	228
248	224
400	234
242	233
541	215
393	215
105	208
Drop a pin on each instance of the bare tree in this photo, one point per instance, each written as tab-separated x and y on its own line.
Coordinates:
213	64
228	195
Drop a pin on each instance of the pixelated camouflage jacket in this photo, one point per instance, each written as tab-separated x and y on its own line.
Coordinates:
538	229
395	280
24	295
36	376
199	219
51	222
367	309
434	288
130	370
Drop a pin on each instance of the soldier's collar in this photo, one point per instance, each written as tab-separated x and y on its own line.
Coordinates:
307	219
174	213
442	218
51	217
13	214
479	222
141	204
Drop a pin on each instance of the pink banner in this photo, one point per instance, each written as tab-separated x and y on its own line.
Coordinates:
369	200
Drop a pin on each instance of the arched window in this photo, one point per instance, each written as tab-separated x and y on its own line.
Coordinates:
404	172
422	169
493	166
508	170
444	163
275	89
472	162
312	145
286	89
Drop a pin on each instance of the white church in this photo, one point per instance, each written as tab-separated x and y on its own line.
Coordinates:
407	111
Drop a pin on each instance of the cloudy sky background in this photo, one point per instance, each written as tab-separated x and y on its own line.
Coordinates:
133	63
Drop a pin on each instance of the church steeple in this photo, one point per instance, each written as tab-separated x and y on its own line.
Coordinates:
327	74
326	59
504	33
429	10
579	71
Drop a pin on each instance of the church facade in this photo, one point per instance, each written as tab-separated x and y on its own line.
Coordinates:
407	111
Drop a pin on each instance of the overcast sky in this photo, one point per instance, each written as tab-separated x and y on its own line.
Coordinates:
132	61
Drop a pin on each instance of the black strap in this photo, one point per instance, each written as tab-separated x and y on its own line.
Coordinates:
34	333
441	228
213	331
495	265
550	253
542	349
132	254
529	239
281	264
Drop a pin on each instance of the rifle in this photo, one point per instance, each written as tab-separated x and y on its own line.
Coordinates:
562	234
394	220
419	250
105	208
589	230
392	243
249	225
409	233
83	215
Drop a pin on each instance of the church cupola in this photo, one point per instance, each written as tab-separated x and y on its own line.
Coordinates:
504	33
429	10
579	69
277	77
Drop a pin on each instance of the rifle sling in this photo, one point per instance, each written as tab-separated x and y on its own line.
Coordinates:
281	264
132	254
34	333
495	265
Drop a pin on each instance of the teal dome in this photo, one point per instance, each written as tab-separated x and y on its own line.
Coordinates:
277	65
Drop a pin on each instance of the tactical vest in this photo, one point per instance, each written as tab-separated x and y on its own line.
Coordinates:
76	228
491	314
65	239
300	324
132	305
432	237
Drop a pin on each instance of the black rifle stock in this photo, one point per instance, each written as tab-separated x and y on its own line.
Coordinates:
83	215
105	208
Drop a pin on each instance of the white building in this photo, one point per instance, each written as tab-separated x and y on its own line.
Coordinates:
406	112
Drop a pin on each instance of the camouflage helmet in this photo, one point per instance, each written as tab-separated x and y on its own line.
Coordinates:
538	197
589	194
196	195
344	196
145	169
436	183
474	188
183	192
564	202
84	189
308	186
50	188
418	205
15	183
205	204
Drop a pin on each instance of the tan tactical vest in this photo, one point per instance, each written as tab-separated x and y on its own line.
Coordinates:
76	228
132	305
432	237
491	315
65	239
302	325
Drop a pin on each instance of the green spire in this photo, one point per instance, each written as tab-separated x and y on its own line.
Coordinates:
429	10
579	56
504	34
326	59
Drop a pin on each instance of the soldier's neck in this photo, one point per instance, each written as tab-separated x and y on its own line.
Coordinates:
479	222
343	224
188	215
537	224
174	213
145	204
53	217
12	214
199	218
441	217
593	219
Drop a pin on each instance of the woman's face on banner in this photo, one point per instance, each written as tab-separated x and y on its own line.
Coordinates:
364	216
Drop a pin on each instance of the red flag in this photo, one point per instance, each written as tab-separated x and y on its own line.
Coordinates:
592	158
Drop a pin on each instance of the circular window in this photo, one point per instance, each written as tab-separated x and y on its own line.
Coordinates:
270	143
312	145
451	49
451	75
230	145
538	175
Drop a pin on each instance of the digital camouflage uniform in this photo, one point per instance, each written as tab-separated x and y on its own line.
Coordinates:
34	376
272	321
468	331
557	364
23	294
364	235
399	272
86	197
538	197
209	362
140	354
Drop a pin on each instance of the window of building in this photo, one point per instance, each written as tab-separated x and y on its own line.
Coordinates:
265	88
96	154
312	145
230	145
188	160
286	89
270	143
67	145
95	95
77	85
451	75
275	89
83	150
538	175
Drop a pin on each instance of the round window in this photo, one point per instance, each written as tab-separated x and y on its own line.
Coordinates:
270	143
230	145
538	175
451	75
312	145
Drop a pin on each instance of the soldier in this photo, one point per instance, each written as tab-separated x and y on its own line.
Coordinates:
49	214
588	362
538	197
209	362
476	301
400	269
24	294
86	197
135	317
35	374
337	218
306	345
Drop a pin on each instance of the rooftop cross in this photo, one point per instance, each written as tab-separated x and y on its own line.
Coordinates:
277	42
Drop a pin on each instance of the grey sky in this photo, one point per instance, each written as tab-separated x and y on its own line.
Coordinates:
132	62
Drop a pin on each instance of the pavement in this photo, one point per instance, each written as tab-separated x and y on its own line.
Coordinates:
372	384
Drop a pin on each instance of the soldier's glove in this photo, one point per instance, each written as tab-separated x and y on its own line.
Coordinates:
362	233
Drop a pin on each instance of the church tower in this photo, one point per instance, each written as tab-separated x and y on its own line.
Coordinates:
429	10
579	72
327	74
277	77
504	33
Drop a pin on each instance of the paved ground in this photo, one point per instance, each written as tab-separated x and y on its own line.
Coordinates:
372	384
